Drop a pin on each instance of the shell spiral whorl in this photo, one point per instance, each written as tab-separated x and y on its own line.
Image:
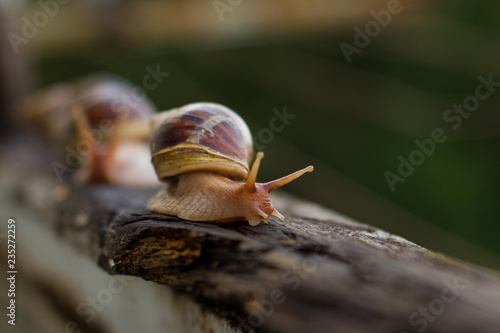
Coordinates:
200	137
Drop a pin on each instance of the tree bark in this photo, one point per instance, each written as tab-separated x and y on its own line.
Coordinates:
306	274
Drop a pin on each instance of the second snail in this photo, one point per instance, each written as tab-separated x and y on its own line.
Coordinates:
203	151
97	135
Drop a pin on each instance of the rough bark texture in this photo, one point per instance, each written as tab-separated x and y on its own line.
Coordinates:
299	275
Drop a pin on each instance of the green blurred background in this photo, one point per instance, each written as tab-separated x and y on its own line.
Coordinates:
353	119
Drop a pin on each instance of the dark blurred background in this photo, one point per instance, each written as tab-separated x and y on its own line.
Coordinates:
354	115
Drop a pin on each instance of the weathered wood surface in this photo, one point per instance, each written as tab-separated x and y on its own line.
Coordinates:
60	290
299	275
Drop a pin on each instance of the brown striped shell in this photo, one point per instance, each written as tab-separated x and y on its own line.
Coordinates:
102	99
200	137
100	123
106	96
115	125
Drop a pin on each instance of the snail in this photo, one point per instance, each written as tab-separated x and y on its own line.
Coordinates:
202	151
98	128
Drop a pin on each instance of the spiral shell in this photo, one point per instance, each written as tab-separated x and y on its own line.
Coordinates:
109	97
201	137
99	125
99	98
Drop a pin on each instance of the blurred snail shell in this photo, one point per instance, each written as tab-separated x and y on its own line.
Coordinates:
97	115
202	150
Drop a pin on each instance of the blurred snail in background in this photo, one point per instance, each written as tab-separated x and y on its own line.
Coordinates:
202	151
98	127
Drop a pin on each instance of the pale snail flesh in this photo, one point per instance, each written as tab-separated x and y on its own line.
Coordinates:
202	151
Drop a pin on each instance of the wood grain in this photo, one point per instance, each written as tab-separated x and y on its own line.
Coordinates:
299	275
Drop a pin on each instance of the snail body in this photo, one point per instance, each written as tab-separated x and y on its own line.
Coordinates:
202	151
104	131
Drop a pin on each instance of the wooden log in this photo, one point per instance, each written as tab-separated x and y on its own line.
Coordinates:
60	290
305	274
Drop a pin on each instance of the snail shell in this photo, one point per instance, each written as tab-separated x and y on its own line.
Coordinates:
200	137
97	113
202	150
